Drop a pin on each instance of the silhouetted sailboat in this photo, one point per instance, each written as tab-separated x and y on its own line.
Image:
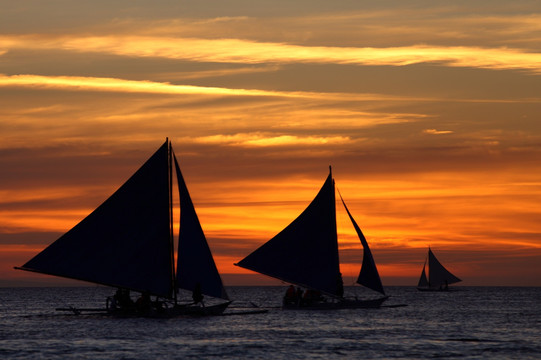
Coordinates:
439	278
127	243
305	254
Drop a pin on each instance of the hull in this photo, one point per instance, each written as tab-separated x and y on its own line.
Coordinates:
435	289
197	310
335	305
171	312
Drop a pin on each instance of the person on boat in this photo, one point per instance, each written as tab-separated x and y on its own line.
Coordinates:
339	285
197	296
111	303
122	299
311	296
298	296
290	297
143	304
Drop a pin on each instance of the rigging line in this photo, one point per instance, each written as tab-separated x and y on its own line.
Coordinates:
170	155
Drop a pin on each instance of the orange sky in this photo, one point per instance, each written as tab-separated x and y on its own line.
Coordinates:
429	113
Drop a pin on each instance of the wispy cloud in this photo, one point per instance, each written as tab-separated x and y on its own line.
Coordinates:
252	52
104	84
120	85
263	140
437	132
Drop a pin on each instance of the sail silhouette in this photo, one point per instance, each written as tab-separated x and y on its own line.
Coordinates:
439	278
127	242
195	264
369	275
305	253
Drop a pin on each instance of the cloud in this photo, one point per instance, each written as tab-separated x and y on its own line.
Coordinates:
261	140
143	86
120	85
252	52
437	132
105	84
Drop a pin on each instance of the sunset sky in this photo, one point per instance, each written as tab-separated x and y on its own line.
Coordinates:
428	111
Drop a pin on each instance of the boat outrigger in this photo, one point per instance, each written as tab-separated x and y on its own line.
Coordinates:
127	243
305	254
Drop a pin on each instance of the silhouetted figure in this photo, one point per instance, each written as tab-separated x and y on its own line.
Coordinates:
197	296
122	299
290	296
312	297
298	296
339	285
143	304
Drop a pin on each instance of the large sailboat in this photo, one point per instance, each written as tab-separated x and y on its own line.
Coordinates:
305	254
127	243
439	278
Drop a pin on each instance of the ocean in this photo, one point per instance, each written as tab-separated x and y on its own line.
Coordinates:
471	323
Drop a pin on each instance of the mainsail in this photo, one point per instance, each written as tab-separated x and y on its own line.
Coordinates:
369	275
438	275
195	264
305	253
126	241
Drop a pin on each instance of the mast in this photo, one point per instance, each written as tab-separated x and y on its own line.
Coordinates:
171	236
334	231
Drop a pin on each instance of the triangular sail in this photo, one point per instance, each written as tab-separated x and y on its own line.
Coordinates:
438	275
305	253
195	264
369	275
423	281
126	241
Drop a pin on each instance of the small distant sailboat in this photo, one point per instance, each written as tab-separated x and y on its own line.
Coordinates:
305	254
127	243
439	278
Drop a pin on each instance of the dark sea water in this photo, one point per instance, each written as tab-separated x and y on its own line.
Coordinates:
473	323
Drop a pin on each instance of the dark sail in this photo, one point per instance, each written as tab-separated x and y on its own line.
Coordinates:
305	253
423	281
195	264
126	241
369	275
438	275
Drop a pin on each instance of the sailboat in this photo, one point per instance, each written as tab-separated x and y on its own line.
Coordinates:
127	243
439	278
305	254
